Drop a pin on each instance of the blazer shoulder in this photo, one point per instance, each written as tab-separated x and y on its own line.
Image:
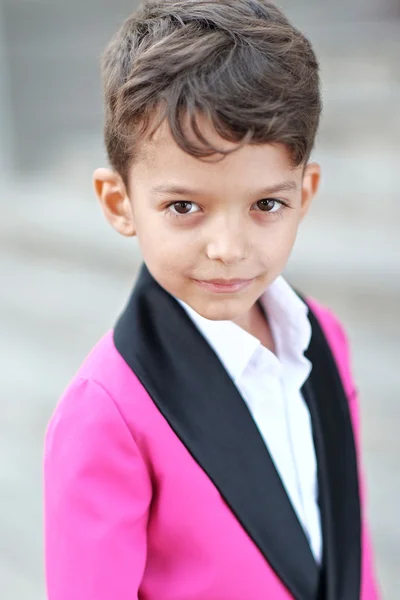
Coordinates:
103	380
329	321
338	342
104	363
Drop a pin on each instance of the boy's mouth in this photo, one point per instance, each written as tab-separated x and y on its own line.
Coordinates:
224	286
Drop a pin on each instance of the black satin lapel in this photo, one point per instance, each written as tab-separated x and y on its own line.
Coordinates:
192	390
337	471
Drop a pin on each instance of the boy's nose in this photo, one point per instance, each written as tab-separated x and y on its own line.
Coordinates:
228	245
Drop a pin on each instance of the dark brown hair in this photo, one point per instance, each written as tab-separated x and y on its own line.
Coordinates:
238	62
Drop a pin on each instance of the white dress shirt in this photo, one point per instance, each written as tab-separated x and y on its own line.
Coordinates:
270	385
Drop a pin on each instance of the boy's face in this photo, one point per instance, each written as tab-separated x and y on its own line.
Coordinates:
214	234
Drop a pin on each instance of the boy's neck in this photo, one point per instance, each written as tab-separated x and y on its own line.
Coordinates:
256	323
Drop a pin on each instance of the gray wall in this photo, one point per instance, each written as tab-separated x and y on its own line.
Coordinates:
52	51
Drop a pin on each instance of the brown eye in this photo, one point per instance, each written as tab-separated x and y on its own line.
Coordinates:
267	205
183	208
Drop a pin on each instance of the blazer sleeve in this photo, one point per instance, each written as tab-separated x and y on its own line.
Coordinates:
338	342
97	496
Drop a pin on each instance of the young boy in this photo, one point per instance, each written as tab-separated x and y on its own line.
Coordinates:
206	448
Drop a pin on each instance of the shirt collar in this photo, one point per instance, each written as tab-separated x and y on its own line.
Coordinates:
288	319
287	315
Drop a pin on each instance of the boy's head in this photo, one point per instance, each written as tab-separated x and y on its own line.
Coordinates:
212	107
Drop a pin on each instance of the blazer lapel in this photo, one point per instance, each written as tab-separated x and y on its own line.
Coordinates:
337	471
192	390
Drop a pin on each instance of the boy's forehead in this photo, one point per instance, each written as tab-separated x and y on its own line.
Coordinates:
161	158
250	170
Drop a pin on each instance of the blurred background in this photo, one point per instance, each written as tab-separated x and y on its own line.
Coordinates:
65	275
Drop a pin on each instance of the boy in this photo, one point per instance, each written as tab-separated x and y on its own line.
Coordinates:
205	450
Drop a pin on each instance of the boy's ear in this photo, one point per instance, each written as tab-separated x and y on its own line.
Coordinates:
310	185
115	203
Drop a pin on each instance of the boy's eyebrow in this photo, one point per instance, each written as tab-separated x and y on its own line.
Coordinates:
284	186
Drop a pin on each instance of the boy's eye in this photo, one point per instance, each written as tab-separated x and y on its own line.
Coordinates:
183	208
269	205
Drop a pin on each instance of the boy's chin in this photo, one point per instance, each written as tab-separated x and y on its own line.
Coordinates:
221	309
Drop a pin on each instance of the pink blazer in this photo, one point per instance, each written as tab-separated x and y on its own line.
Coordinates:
143	503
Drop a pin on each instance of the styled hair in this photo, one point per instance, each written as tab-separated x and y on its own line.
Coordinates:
240	63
